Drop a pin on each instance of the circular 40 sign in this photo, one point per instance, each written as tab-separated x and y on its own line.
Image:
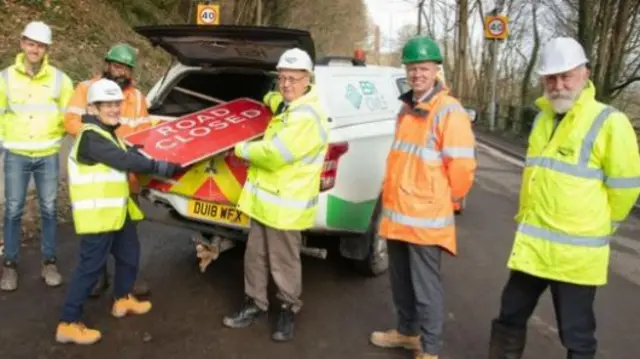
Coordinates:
208	15
497	27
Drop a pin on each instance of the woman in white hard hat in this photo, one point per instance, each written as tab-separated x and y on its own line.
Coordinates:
103	211
280	194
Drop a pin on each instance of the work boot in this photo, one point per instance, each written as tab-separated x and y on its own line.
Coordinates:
76	333
9	280
129	305
393	339
285	324
101	285
245	317
141	288
506	343
50	273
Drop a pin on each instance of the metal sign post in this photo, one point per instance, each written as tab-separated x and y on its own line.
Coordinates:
495	30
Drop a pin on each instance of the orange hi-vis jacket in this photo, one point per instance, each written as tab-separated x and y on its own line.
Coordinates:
431	161
134	115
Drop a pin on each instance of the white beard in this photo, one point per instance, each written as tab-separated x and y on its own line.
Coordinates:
564	104
561	105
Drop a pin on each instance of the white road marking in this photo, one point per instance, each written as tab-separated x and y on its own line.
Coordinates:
496	153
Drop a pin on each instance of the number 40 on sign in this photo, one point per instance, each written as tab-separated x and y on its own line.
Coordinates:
496	27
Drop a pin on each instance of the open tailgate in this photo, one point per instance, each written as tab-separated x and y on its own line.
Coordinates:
227	45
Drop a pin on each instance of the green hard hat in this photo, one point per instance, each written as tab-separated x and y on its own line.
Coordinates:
421	49
122	53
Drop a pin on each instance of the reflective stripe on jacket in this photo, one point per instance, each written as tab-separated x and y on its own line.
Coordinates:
283	180
100	198
431	161
32	108
582	176
134	112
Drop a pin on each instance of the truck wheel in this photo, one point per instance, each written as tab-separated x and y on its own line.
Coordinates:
377	260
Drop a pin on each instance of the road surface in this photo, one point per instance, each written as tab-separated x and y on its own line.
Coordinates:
341	308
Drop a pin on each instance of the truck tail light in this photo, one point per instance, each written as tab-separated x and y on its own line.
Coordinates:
330	169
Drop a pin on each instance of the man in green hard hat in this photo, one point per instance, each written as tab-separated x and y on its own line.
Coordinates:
431	164
120	61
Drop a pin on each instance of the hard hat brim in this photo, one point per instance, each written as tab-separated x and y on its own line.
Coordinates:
560	70
48	43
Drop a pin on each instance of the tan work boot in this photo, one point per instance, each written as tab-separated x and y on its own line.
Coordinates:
51	275
9	279
393	339
425	356
129	305
76	333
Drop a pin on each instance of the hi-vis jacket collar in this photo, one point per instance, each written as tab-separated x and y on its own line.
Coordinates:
438	87
22	69
587	95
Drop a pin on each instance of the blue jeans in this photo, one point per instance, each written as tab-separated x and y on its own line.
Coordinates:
94	251
17	174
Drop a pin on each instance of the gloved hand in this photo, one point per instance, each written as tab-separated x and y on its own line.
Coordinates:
239	150
165	168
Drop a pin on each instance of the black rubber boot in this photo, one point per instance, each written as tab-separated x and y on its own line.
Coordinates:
285	325
506	343
580	356
101	285
245	317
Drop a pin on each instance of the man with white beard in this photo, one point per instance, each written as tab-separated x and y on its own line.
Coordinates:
582	177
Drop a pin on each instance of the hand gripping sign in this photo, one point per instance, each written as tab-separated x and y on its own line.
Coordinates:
194	137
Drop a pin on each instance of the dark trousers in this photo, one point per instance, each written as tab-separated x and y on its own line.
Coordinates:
417	292
94	250
276	253
573	305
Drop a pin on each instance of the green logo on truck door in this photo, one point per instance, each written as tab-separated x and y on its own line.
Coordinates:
353	96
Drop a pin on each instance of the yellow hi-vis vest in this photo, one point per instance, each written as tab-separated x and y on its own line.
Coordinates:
283	181
582	176
100	198
32	109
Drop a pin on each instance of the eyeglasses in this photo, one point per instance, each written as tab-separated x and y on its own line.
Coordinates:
291	79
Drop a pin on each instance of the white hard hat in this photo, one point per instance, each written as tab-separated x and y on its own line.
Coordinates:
561	54
104	90
295	59
38	31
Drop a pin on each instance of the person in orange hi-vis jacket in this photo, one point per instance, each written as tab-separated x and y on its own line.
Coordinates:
120	61
430	165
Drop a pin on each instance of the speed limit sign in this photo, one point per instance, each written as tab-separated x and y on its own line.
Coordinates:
496	27
208	14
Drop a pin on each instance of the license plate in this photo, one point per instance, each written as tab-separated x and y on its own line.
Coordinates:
217	212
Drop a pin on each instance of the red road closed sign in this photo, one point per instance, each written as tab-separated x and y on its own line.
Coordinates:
194	137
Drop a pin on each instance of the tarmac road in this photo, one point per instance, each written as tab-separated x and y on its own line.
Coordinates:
341	308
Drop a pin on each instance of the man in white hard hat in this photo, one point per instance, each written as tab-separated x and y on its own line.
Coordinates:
281	192
33	96
104	212
582	177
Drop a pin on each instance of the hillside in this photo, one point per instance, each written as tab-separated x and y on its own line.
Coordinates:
83	30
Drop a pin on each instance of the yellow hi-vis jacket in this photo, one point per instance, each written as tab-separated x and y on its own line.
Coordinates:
581	179
32	108
283	180
100	198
